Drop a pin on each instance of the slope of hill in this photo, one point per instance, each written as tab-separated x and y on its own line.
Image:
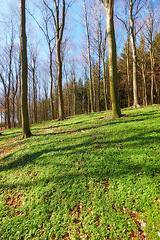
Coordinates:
88	177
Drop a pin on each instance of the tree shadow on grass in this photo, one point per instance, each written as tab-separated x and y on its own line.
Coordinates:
21	161
124	119
96	171
80	148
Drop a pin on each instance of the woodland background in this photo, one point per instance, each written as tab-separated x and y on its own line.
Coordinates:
84	55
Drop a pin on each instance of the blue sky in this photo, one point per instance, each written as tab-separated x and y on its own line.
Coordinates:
76	30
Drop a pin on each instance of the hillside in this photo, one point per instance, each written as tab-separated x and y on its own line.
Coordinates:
88	177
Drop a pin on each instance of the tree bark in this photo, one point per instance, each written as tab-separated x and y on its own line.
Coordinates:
23	46
145	85
59	83
133	45
74	95
89	58
51	85
153	78
128	76
104	84
116	112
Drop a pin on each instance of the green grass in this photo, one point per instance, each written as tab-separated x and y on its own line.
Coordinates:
88	177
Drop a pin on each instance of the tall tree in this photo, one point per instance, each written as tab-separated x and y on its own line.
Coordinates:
33	69
126	25
23	55
6	74
89	54
15	81
98	42
151	23
142	58
133	45
109	6
59	17
50	38
134	8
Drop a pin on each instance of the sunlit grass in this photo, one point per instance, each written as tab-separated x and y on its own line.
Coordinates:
88	177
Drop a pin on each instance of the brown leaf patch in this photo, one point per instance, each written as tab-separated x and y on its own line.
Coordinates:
9	149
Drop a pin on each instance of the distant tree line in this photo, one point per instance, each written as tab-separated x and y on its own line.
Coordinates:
64	84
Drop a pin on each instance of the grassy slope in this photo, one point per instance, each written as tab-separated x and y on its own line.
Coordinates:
88	177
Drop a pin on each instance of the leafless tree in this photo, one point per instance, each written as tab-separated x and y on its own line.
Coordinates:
109	6
89	53
58	12
23	56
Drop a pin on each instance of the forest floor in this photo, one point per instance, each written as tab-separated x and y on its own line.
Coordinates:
88	177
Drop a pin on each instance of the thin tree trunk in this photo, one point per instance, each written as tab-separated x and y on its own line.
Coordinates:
83	101
128	76
24	104
51	85
8	113
104	84
13	111
5	106
88	102
156	88
89	59
59	83
94	92
99	79
152	75
145	85
132	39
116	112
1	121
34	95
74	96
90	77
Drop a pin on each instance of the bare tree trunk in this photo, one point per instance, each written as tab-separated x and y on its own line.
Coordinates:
99	78
88	102
116	112
145	85
90	78
19	97
89	58
94	92
5	99
132	38
8	112
13	112
152	76
83	101
24	104
51	85
104	84
34	95
5	117
9	79
156	88
128	76
74	95
59	83
1	118
59	23
34	86
14	92
40	103
105	87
